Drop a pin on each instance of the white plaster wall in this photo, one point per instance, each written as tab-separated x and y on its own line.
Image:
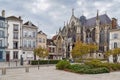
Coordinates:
110	59
111	43
10	38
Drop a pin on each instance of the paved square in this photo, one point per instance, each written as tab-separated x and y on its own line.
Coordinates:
50	73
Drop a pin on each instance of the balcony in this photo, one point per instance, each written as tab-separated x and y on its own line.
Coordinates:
15	37
15	47
2	47
15	29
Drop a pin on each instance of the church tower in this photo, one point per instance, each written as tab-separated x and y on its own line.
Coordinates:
97	29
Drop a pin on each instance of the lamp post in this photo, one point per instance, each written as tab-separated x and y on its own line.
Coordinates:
38	64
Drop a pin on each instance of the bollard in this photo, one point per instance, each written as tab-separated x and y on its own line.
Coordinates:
3	71
27	69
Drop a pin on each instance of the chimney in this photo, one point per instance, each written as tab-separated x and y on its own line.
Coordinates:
114	23
3	13
19	17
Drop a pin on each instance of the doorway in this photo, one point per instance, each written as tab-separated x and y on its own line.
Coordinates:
8	56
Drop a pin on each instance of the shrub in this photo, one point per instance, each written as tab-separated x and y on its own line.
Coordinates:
96	70
114	66
98	64
35	62
86	69
63	65
94	63
78	68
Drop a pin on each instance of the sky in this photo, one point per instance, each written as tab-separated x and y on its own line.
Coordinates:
50	15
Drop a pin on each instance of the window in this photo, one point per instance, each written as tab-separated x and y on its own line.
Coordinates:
15	27
115	45
40	40
1	54
0	43
15	54
1	24
1	33
43	40
15	45
33	44
115	36
25	43
25	34
15	35
33	34
29	44
30	35
23	52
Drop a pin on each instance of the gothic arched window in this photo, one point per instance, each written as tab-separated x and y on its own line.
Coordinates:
102	37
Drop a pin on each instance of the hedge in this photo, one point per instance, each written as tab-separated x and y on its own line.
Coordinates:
63	64
81	68
98	64
86	69
35	62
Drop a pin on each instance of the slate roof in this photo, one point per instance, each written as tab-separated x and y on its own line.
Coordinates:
40	32
27	23
104	19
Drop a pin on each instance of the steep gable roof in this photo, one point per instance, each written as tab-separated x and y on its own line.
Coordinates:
40	32
30	23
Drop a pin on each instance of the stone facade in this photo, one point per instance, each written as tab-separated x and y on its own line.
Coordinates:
92	30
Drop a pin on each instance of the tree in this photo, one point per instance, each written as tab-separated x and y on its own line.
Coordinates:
113	52
92	48
41	52
79	50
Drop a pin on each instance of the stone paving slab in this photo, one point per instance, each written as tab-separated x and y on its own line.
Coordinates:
50	73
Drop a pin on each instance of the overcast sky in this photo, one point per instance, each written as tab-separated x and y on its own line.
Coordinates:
50	15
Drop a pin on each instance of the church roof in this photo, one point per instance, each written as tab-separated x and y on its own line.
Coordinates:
104	19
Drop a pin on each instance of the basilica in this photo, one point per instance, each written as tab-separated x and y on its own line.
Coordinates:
88	30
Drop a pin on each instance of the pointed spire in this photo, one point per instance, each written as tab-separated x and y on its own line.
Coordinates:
60	29
64	23
97	17
73	11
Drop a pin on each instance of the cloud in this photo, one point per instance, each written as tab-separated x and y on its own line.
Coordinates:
49	15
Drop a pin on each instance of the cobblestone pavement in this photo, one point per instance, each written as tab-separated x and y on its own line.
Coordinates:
50	73
12	64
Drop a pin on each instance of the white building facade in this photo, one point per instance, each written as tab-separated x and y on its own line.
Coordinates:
14	42
29	39
114	42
